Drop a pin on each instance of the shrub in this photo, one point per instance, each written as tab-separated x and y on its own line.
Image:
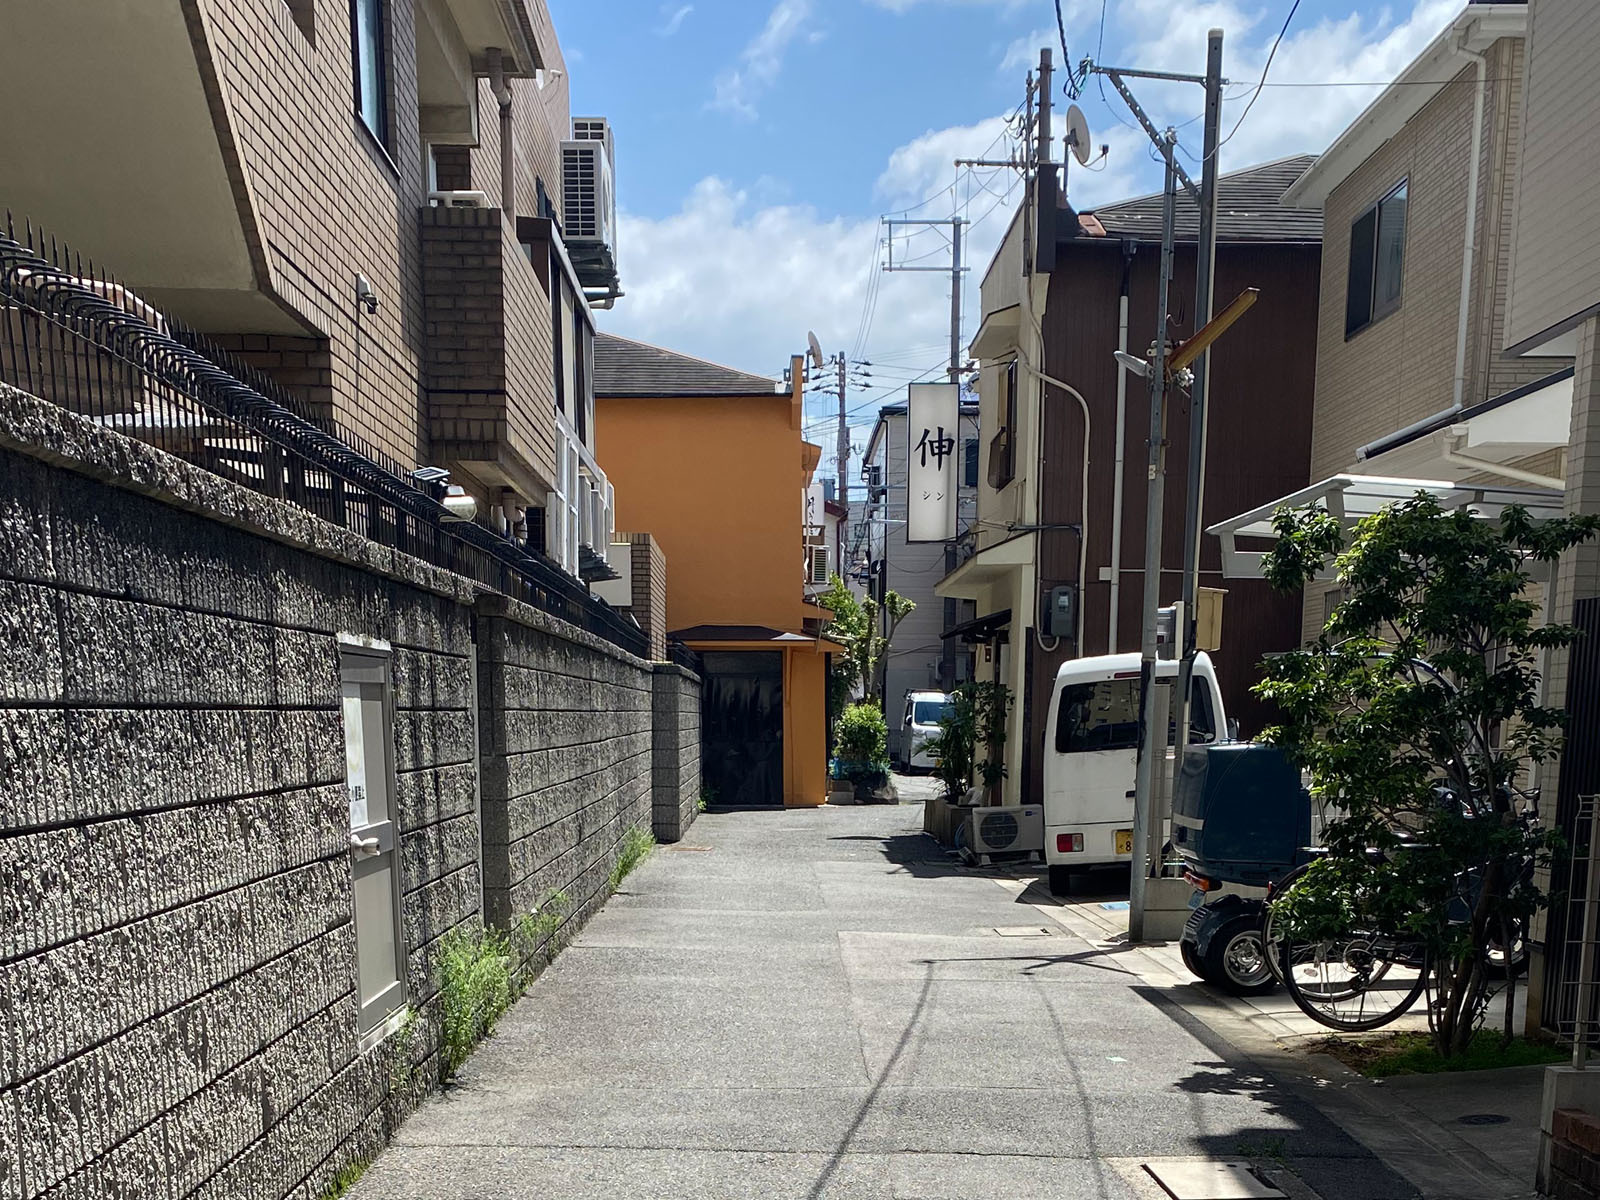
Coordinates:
862	737
972	737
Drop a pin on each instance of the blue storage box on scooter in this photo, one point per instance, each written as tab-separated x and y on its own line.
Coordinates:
1239	814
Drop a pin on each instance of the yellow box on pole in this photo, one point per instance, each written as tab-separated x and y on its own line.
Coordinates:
1208	618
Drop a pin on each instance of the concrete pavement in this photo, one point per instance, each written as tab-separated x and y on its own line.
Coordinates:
819	1003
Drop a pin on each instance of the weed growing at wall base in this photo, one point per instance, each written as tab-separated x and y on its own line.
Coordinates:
345	1179
474	990
636	845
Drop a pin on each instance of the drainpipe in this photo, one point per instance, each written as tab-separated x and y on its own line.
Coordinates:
1480	64
501	88
1128	247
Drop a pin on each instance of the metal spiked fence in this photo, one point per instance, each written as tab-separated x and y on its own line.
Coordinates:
73	335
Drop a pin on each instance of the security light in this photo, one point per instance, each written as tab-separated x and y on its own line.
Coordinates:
1132	363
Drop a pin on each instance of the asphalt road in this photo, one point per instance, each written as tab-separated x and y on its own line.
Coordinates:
819	1003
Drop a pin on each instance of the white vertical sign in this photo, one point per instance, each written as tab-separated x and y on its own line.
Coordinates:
816	508
933	439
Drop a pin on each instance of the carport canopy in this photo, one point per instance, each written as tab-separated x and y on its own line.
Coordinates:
1352	497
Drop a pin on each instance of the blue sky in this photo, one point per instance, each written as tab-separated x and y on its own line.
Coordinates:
759	142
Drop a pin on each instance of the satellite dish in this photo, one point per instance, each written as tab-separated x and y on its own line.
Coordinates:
1077	135
816	348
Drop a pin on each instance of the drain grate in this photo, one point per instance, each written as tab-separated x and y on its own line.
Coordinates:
1189	1179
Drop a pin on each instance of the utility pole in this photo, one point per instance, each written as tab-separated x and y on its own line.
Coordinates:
947	652
1149	737
842	452
955	301
1205	268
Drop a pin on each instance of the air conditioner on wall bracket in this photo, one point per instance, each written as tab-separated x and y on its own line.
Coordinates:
817	566
589	201
458	199
1012	829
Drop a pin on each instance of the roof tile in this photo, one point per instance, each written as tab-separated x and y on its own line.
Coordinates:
623	367
1248	209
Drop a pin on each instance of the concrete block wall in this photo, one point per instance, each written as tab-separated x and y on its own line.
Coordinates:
177	975
566	760
675	751
176	949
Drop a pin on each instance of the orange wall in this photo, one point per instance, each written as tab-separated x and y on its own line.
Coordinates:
719	482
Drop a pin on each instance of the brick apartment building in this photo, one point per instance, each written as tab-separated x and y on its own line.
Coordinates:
263	172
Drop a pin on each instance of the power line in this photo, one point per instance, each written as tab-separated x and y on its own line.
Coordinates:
1074	82
1256	95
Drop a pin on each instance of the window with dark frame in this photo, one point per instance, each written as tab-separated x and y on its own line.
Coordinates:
969	462
1377	261
1002	447
371	79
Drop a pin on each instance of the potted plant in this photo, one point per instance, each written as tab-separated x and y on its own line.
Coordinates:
861	746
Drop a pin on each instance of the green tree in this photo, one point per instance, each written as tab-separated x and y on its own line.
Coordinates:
972	736
1417	712
855	627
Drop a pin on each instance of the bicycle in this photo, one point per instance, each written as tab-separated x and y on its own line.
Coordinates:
1364	979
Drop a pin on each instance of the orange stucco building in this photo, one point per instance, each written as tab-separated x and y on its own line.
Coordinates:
712	462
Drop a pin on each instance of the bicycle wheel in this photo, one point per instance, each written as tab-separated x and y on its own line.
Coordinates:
1355	982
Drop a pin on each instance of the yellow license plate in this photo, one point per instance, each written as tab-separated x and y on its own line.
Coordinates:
1124	841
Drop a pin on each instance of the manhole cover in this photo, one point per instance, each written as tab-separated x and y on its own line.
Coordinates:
1190	1180
1022	931
1483	1119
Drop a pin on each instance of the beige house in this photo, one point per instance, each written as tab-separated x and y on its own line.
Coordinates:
1414	382
361	197
1459	342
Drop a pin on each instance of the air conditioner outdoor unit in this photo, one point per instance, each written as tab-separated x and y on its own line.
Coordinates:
1012	829
589	199
817	566
458	200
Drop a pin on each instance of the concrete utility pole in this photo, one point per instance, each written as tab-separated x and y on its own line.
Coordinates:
955	301
1205	269
842	452
947	652
1149	737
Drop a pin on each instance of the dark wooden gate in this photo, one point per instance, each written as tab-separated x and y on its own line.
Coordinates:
742	722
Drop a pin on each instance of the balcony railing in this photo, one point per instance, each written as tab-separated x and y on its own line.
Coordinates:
74	336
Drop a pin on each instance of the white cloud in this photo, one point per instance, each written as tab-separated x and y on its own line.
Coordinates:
903	6
761	61
1023	53
1349	50
673	18
927	163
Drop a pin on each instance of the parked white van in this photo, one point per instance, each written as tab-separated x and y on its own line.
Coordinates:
1091	750
919	723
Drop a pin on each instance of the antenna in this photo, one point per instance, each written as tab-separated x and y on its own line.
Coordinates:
816	349
1077	135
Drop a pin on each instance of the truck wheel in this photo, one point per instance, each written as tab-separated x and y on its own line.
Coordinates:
1236	959
1061	881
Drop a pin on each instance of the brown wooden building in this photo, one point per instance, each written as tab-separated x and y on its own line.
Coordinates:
1259	441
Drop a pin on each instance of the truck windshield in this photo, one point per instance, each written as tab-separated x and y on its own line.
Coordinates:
927	712
1105	716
